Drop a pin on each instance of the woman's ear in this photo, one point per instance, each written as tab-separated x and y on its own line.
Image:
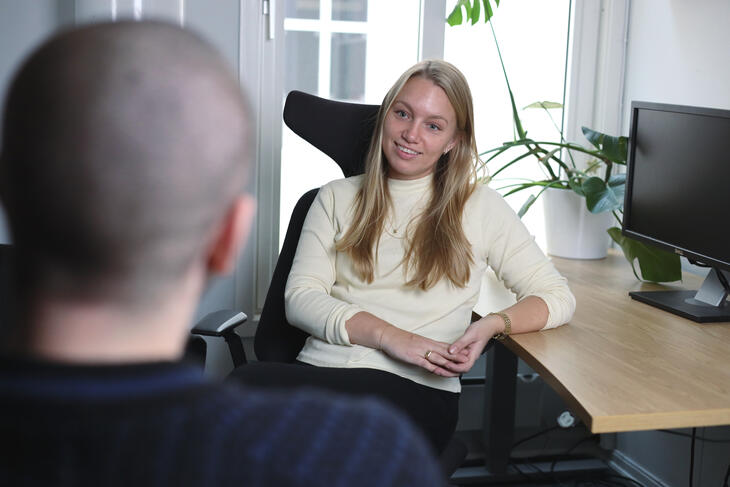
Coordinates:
452	144
232	235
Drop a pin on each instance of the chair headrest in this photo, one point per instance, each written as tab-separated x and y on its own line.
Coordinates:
342	130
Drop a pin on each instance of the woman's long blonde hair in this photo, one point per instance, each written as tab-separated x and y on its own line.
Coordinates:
437	247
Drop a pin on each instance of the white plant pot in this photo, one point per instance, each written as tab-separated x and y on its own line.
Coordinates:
571	230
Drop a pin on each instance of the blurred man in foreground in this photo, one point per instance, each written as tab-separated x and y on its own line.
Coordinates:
125	152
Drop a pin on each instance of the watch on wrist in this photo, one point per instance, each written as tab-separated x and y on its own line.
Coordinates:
507	325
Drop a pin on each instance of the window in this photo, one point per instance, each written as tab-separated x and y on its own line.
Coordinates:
340	49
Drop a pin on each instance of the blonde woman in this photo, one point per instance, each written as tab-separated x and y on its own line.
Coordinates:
389	263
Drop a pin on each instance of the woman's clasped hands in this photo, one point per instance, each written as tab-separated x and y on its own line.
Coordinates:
418	350
440	358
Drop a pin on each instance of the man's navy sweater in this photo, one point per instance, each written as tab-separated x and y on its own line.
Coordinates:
164	424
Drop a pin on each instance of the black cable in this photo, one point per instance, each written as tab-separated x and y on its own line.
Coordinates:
528	438
701	438
610	475
528	459
567	452
694	437
586	438
692	457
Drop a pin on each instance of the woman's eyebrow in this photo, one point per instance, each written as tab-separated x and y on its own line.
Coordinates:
405	104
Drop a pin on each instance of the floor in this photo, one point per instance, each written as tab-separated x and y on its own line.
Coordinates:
533	475
535	463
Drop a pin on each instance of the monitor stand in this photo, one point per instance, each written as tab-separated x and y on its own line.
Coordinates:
708	305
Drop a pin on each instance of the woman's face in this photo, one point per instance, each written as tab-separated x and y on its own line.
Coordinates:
419	128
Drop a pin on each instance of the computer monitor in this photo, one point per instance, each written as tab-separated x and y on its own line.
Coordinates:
678	196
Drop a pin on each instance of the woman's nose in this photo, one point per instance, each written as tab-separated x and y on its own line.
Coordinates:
410	134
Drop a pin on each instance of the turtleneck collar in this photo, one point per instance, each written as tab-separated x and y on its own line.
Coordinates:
410	185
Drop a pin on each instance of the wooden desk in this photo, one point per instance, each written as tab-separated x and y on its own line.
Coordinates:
622	365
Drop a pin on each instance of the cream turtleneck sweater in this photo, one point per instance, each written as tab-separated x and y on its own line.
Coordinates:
323	291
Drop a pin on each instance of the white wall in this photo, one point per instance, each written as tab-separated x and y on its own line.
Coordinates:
677	52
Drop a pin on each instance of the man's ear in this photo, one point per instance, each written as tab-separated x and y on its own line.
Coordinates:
232	235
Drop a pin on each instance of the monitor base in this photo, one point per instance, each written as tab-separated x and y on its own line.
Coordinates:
683	303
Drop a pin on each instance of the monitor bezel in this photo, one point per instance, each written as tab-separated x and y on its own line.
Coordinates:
692	255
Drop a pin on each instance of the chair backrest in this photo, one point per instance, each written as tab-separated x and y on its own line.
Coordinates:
342	131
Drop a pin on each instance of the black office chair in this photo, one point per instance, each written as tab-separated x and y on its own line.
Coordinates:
342	131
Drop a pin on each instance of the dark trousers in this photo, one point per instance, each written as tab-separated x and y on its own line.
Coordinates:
433	411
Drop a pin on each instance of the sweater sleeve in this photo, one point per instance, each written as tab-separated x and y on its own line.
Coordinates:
308	302
520	263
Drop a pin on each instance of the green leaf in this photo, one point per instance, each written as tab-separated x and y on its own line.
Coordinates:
604	197
544	105
475	11
612	147
488	12
656	265
455	17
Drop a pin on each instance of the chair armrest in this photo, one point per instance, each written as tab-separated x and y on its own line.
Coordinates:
219	323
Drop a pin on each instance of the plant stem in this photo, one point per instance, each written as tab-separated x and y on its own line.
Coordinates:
518	123
609	165
618	219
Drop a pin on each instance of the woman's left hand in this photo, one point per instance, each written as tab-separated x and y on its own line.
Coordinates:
472	342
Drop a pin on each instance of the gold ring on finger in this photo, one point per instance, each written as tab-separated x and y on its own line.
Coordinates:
428	354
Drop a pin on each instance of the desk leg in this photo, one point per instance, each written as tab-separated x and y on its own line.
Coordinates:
499	407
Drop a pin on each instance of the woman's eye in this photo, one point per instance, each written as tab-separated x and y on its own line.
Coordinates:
401	113
433	126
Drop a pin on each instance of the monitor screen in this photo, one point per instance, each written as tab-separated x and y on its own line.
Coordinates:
678	181
678	188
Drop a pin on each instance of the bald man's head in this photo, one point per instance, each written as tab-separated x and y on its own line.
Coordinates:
123	145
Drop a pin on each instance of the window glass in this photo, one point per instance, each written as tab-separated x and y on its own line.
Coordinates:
301	9
302	50
350	10
347	79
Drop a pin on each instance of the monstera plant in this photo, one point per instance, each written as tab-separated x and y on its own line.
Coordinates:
600	180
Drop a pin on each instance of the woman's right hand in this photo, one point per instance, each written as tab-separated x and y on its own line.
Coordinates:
418	350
